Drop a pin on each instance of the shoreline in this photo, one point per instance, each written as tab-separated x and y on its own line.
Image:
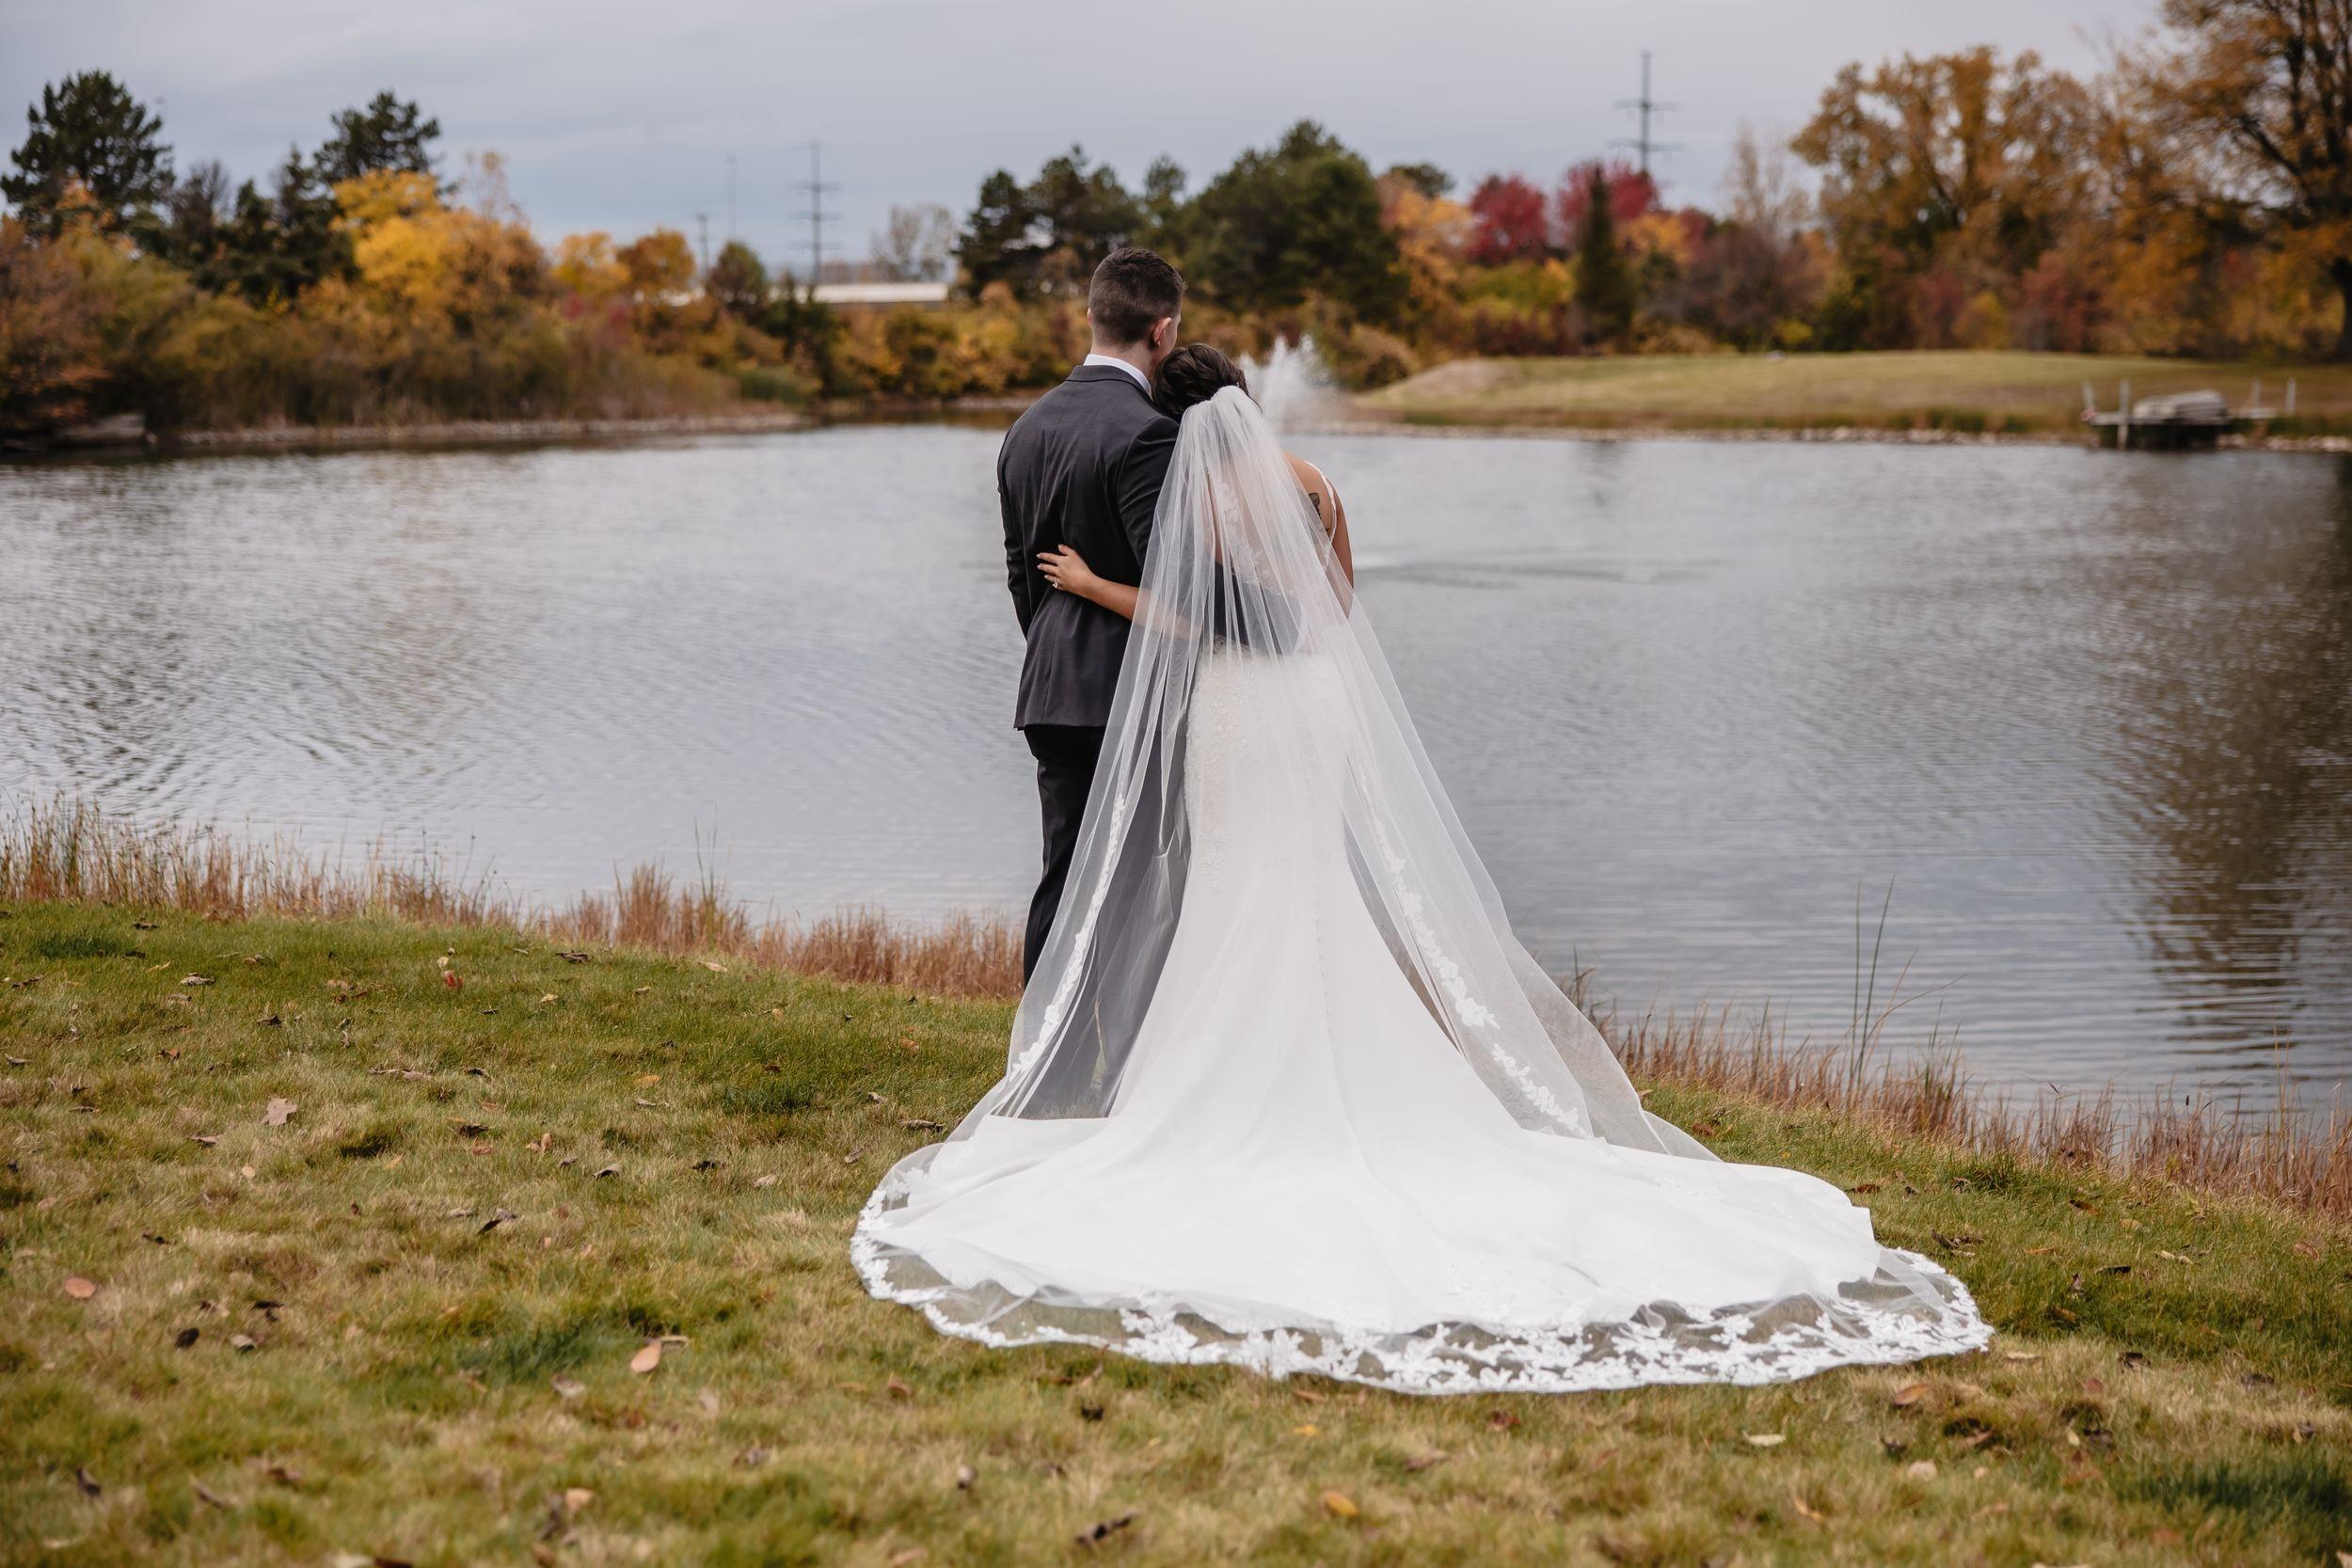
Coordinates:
1355	419
70	853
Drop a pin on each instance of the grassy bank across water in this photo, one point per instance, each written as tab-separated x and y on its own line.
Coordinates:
366	1239
1966	393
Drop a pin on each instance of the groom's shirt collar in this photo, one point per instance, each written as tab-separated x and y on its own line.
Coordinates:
1141	380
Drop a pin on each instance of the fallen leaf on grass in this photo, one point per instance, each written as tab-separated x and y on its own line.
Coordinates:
645	1360
577	1498
206	1495
1920	1469
2040	1251
609	1170
2302	1249
196	979
80	1289
896	1390
568	1388
278	1113
1908	1395
765	1182
2020	1355
87	1482
714	968
965	1476
922	1124
1307	1428
1342	1505
494	1221
244	1342
284	1477
1765	1439
1805	1509
752	1457
852	1158
1102	1531
448	978
185	1337
1423	1460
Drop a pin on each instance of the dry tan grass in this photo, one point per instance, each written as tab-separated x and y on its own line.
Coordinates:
2281	1156
70	852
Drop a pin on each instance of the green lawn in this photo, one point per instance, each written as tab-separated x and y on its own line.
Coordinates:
398	1320
1969	392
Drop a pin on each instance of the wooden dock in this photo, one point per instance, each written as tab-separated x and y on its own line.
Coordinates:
2183	421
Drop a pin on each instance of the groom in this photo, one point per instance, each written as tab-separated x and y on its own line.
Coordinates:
1084	467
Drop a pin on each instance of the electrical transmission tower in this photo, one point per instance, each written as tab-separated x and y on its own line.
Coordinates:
1644	108
816	189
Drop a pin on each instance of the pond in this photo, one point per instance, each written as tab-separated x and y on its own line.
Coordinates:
2088	716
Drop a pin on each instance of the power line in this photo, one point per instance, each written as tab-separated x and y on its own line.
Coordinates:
816	189
1646	106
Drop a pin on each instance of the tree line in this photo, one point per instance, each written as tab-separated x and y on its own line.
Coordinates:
2194	197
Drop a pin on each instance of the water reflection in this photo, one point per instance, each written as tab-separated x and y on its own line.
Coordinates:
2234	760
2090	715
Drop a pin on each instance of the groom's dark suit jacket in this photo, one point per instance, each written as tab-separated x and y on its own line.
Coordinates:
1082	467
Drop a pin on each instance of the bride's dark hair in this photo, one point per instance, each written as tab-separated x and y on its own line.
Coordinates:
1195	374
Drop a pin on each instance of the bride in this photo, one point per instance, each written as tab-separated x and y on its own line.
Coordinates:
1285	1092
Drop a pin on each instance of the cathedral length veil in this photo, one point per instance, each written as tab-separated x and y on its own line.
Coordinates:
1242	598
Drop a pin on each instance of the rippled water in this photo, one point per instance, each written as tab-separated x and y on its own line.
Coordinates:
2090	715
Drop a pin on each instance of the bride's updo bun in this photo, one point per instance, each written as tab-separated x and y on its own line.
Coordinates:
1193	374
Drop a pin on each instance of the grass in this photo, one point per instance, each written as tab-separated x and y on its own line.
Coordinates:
673	1154
70	852
1990	392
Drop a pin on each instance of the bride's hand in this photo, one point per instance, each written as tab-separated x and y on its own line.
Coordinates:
1067	570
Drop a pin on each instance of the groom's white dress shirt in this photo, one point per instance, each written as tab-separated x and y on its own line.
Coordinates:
1141	380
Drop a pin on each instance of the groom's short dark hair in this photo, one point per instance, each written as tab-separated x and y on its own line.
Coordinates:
1133	289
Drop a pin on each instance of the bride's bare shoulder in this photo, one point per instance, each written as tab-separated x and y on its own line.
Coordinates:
1311	480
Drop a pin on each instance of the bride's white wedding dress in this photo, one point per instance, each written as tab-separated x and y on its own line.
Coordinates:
1281	1096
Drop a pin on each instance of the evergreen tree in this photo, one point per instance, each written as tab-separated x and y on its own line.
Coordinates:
1604	283
1300	219
997	245
89	132
1047	236
275	246
386	134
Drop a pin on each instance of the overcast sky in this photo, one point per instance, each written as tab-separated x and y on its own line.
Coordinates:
621	117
